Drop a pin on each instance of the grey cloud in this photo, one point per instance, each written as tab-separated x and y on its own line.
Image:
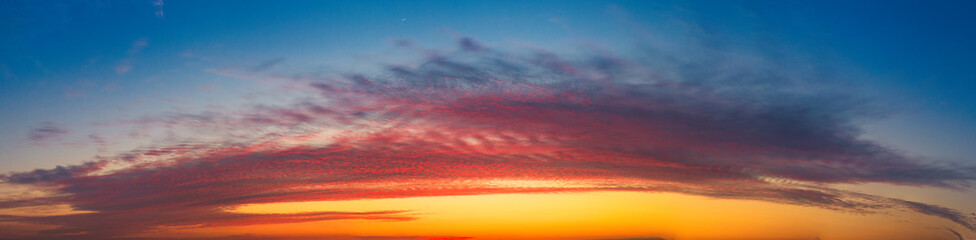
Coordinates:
47	131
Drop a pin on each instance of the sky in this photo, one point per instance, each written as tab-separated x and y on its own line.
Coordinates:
397	120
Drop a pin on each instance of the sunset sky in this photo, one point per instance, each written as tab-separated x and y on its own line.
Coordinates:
450	120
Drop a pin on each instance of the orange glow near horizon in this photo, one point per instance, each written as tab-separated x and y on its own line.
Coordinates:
585	215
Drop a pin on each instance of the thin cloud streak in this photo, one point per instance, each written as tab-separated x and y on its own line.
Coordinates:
47	132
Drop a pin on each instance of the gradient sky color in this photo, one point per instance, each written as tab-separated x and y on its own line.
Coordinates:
487	120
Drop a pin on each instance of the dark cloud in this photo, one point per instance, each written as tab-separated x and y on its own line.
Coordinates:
54	174
954	233
453	124
942	212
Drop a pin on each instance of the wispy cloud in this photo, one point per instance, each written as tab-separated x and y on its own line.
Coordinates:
124	66
138	45
47	132
248	72
112	224
267	64
158	6
942	212
482	121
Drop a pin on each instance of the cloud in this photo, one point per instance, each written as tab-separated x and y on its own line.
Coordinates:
99	141
55	174
248	72
125	65
158	6
138	45
954	233
46	132
469	44
111	224
483	121
267	64
942	212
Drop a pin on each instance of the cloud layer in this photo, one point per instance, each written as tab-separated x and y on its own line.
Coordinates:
483	121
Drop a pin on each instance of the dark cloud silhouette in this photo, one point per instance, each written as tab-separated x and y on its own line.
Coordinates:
54	174
942	212
455	124
954	233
